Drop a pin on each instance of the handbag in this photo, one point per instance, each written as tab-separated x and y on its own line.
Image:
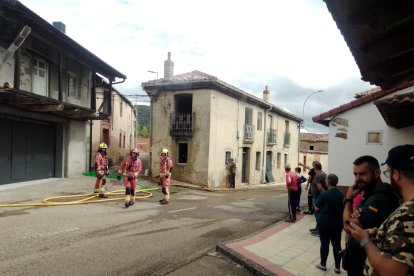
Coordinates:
345	257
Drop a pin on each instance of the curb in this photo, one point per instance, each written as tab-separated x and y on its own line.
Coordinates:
277	187
243	261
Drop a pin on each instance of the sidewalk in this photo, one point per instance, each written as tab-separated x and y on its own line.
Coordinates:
282	249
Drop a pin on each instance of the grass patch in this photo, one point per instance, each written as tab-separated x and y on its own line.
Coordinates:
93	174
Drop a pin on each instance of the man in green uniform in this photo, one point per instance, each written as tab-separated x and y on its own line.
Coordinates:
392	250
377	204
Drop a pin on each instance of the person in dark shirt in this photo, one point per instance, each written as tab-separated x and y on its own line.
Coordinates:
310	210
378	202
318	186
330	207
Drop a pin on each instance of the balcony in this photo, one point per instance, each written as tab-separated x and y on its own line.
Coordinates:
181	124
271	136
248	134
286	140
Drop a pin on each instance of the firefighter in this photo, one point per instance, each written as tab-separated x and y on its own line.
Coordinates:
130	167
166	167
101	170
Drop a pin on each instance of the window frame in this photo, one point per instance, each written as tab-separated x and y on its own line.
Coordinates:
258	160
374	132
75	93
259	120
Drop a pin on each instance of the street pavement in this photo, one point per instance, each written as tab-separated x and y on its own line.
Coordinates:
281	249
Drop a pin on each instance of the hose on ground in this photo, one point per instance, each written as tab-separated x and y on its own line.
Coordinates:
84	198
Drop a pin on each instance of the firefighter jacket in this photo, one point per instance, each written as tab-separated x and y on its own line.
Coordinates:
101	163
130	167
165	166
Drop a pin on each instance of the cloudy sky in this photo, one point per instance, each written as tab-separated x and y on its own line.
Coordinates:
292	46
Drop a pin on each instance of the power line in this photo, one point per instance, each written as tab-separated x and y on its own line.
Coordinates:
136	95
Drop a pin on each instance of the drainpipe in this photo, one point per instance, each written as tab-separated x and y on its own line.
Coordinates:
93	107
299	143
264	146
111	98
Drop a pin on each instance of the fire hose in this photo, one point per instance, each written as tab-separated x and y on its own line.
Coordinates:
83	198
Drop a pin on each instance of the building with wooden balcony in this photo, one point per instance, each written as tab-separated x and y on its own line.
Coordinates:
204	121
47	98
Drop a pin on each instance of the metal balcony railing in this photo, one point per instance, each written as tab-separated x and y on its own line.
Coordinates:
271	136
286	140
182	124
248	136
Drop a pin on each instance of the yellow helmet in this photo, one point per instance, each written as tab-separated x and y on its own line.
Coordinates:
103	146
164	151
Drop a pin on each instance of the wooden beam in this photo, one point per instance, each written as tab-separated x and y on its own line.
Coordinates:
46	107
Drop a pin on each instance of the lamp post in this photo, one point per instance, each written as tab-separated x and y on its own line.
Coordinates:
303	111
154	72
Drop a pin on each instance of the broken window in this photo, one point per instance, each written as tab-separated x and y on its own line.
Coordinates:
182	152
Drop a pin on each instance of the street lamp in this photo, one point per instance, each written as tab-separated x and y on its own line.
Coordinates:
303	112
154	72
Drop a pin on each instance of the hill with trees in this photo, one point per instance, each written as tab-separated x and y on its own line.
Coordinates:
143	121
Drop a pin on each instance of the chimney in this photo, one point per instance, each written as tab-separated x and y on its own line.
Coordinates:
266	95
60	26
168	68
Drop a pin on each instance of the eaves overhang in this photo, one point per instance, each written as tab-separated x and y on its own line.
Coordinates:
36	103
397	111
380	36
326	117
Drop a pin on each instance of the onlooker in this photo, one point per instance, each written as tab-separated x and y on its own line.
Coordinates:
378	203
301	179
231	166
311	175
292	188
318	185
392	250
311	209
330	207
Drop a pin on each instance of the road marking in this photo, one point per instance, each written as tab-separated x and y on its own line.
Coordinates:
280	196
43	235
180	210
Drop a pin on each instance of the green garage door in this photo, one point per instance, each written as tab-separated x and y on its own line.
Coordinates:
27	150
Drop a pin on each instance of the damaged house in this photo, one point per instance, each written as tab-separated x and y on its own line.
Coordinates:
204	121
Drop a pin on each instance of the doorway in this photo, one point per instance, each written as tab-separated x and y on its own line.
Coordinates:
245	165
269	175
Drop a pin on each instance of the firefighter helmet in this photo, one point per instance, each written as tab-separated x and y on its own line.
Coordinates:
135	150
102	146
165	151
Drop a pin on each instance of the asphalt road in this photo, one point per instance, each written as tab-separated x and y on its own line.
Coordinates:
145	239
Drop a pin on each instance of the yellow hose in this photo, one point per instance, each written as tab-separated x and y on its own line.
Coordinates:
85	199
